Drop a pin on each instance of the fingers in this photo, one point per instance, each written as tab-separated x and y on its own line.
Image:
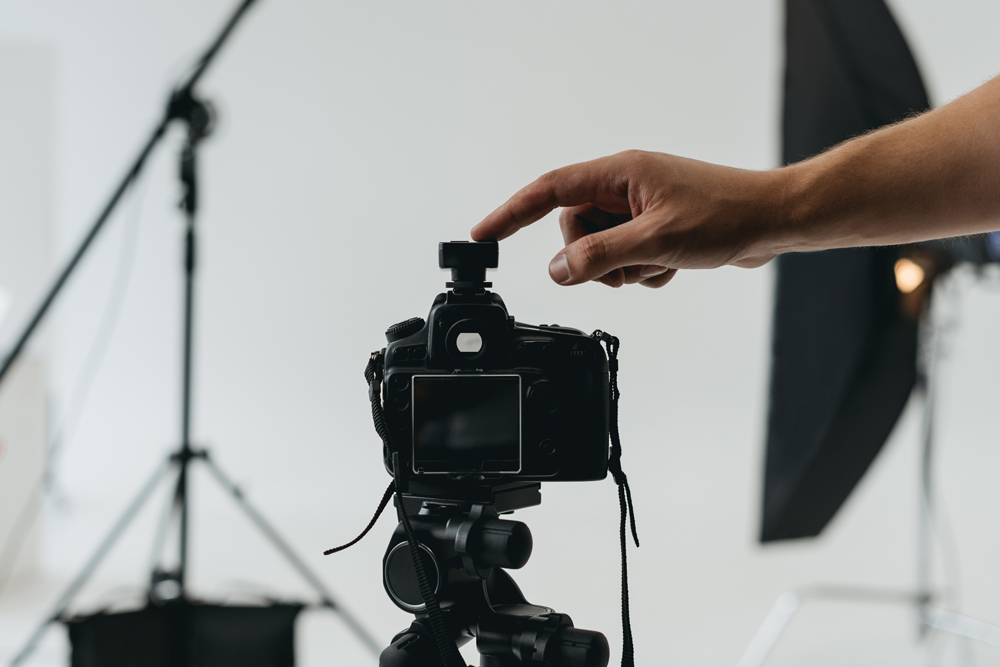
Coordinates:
600	182
637	274
633	274
660	280
597	255
754	262
615	278
578	221
599	244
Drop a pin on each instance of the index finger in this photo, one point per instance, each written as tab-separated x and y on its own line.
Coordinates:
600	182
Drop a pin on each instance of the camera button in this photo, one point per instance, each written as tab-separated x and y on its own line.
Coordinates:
542	397
418	353
547	447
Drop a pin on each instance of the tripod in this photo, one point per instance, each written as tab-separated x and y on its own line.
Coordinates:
170	587
922	598
465	549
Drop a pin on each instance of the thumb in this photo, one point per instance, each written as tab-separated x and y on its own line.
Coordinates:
594	255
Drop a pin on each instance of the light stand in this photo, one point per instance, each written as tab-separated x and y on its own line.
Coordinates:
169	587
923	598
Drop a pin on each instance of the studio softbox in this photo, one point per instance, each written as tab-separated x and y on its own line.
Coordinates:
844	355
186	634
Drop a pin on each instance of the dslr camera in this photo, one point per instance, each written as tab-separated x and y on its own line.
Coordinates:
473	397
475	410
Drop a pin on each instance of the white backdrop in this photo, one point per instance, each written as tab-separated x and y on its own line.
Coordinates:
352	138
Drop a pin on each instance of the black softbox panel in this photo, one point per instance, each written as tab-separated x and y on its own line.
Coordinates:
844	356
183	634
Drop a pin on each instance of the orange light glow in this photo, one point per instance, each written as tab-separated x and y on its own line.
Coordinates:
909	275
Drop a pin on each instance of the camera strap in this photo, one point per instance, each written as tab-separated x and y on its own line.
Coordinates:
450	656
624	493
373	376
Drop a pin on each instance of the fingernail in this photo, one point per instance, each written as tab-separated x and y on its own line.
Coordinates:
652	270
559	269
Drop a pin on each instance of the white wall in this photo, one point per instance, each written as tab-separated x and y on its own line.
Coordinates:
355	136
26	178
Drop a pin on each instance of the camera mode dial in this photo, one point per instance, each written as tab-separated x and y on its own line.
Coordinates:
403	329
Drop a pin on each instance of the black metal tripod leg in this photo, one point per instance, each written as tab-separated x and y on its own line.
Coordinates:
282	546
102	550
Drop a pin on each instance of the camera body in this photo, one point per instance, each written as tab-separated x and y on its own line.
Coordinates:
472	396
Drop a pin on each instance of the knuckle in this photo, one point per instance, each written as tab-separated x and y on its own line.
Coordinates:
635	159
566	222
593	249
547	179
636	165
545	187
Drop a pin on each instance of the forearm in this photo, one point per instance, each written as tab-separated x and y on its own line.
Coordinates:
934	176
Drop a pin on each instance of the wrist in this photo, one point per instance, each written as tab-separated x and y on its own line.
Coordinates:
782	211
803	204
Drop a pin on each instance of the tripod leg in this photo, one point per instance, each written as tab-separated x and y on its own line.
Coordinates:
102	550
279	543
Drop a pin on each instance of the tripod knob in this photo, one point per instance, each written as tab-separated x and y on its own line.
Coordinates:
579	648
501	543
537	635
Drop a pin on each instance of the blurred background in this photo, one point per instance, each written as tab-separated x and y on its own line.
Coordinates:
351	138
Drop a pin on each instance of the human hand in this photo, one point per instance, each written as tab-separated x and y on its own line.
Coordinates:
638	217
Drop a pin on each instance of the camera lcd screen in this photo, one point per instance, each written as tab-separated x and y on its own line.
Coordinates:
466	423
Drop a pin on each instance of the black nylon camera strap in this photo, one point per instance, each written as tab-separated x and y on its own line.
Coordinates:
373	376
381	508
450	656
447	649
624	492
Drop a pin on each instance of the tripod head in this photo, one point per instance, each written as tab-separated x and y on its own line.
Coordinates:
465	549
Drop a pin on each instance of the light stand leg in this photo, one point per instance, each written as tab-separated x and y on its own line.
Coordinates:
925	545
160	537
770	630
789	602
95	560
963	626
282	546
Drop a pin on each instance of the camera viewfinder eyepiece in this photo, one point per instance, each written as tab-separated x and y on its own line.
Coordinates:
468	261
